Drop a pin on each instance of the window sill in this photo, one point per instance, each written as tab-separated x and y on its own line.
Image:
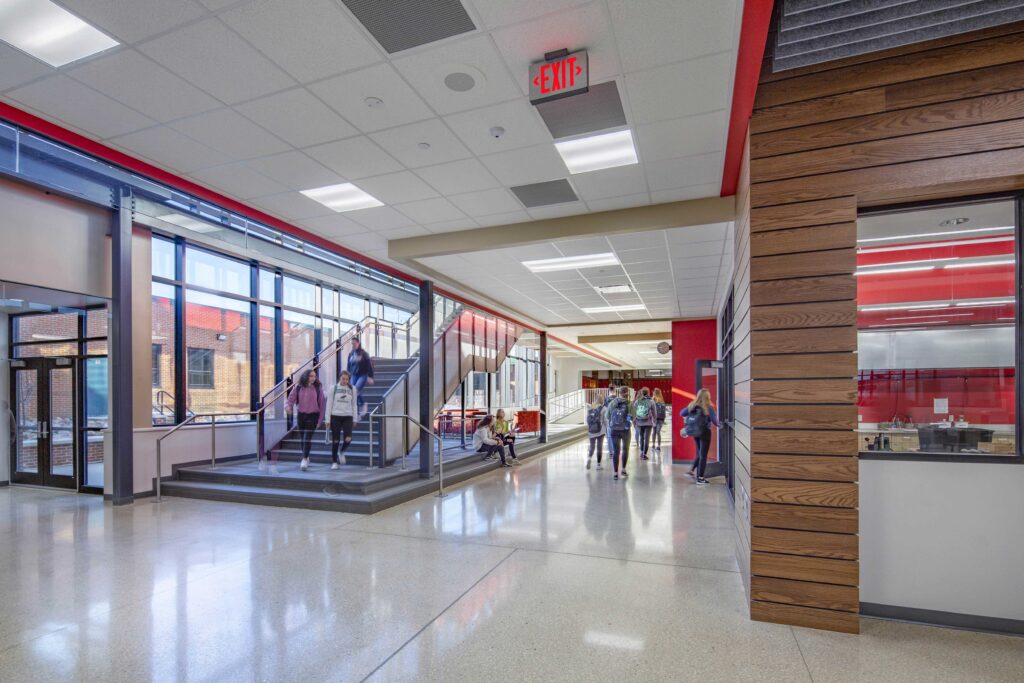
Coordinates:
942	457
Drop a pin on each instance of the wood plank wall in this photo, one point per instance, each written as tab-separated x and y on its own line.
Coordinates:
942	119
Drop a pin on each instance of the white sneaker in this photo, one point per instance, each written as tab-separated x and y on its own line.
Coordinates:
342	460
274	470
335	466
588	463
263	466
304	465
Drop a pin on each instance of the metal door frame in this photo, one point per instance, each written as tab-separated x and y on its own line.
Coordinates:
43	367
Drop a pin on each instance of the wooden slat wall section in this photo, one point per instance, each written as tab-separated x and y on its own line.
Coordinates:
940	119
741	370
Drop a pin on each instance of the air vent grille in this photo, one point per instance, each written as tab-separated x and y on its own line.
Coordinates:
402	24
598	109
545	194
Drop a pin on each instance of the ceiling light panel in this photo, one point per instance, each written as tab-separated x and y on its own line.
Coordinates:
572	262
50	33
343	197
615	309
598	152
614	289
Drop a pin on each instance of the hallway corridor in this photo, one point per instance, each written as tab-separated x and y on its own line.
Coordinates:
540	573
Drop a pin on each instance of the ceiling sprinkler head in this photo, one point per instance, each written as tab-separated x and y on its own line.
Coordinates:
373	102
423	145
497	132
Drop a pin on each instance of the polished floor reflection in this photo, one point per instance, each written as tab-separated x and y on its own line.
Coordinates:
543	572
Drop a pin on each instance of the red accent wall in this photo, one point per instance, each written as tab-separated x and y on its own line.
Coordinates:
982	395
692	340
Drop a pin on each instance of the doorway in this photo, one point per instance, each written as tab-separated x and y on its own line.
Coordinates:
712	375
43	402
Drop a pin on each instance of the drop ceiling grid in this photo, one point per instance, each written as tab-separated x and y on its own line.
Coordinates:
158	147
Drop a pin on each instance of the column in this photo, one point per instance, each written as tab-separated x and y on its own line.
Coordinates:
120	334
543	387
426	375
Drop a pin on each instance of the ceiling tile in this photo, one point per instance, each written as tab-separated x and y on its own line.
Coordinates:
683	172
394	188
214	58
454	177
298	118
590	245
355	158
585	26
670	31
311	41
16	67
431	210
63	98
486	202
132	79
133	20
558	210
295	170
364	241
403	143
231	133
522	124
504	218
610	182
238	180
684	193
698	233
501	12
347	95
403	233
476	56
380	218
670	92
699	134
335	225
451	226
169	148
291	206
614	203
527	165
697	249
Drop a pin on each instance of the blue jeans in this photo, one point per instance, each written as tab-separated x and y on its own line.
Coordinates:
359	381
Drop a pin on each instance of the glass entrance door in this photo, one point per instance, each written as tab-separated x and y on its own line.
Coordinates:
45	450
709	376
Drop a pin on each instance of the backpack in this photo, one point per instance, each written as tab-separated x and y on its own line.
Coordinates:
643	408
696	423
594	420
659	411
618	415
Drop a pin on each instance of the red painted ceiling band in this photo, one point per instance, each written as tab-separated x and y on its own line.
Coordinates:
52	130
757	15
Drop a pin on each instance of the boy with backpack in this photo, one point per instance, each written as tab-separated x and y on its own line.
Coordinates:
596	429
617	417
644	412
661	412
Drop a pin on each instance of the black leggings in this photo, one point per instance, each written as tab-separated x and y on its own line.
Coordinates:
491	449
656	434
620	449
645	439
340	424
510	441
308	422
596	442
702	443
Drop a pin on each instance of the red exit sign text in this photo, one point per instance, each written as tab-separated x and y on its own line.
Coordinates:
560	77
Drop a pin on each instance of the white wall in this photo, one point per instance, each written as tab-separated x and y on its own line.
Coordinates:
943	536
188	444
5	401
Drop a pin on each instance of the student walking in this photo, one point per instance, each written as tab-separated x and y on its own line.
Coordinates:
596	430
644	411
360	368
484	441
506	435
308	398
617	416
700	416
343	412
613	393
661	412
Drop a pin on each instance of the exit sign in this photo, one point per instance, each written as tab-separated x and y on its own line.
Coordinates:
559	77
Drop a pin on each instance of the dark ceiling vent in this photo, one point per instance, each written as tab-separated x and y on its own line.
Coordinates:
598	109
402	24
545	194
818	31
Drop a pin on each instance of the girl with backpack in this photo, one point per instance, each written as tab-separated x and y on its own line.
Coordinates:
643	412
308	397
661	412
343	412
617	417
597	426
699	416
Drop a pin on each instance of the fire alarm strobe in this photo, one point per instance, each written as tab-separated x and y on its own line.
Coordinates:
561	74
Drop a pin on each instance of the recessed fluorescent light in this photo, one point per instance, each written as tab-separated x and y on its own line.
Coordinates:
343	197
598	152
615	309
49	32
614	289
887	271
930	234
981	264
572	262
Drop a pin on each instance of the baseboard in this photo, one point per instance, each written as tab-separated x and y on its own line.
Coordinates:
5	483
965	622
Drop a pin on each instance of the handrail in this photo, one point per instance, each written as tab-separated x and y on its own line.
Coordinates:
440	448
187	421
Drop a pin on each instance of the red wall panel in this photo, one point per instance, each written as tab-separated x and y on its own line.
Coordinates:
692	340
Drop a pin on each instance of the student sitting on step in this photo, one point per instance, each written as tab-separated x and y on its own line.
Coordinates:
485	442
